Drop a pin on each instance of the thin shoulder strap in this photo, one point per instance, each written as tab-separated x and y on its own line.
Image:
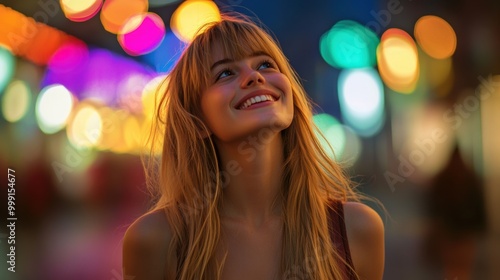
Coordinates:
338	235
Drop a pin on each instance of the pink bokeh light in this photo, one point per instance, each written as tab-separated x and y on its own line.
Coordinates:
142	34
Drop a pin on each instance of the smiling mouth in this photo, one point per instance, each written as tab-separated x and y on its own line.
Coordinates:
256	100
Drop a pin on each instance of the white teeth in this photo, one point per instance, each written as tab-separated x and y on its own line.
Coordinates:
256	99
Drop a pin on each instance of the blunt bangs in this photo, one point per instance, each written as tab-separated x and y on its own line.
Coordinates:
236	40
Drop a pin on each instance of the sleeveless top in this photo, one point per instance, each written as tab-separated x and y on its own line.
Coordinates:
339	237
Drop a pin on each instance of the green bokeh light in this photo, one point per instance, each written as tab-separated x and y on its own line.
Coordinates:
16	100
334	133
7	62
348	44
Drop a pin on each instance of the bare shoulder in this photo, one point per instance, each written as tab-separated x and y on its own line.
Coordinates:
145	247
151	226
362	219
365	233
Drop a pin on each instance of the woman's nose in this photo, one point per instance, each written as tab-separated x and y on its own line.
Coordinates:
252	78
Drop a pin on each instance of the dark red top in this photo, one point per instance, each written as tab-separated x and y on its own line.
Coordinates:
339	237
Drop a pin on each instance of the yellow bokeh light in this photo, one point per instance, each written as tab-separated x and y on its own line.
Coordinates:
435	36
132	132
403	61
16	100
132	23
397	57
192	15
152	94
53	107
115	13
111	128
85	128
80	10
113	133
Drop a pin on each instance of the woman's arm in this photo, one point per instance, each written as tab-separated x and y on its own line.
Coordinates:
145	249
365	233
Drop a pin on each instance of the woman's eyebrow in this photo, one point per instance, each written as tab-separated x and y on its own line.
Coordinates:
228	60
222	61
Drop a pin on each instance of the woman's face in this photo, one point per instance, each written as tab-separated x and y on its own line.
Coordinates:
245	97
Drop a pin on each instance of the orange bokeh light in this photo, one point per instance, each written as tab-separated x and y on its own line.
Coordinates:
435	36
115	13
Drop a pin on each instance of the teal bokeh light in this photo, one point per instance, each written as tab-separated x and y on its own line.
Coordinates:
348	44
334	133
7	63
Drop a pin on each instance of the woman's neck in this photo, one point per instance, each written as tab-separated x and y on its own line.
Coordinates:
252	171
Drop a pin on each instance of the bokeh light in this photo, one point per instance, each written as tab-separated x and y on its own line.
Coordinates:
27	38
129	92
361	100
45	43
7	63
398	60
133	134
428	141
112	129
435	36
85	127
12	33
142	34
71	55
152	94
80	10
16	101
104	76
115	13
191	15
348	44
53	107
352	148
68	67
333	132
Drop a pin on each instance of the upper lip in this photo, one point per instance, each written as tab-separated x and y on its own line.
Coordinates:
256	93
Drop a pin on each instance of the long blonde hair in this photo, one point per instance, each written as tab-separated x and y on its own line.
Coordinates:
186	180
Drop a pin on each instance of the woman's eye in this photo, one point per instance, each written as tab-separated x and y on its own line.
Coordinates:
265	65
224	73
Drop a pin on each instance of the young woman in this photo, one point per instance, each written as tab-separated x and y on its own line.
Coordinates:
244	189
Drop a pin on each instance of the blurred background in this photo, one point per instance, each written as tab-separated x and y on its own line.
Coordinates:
407	92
